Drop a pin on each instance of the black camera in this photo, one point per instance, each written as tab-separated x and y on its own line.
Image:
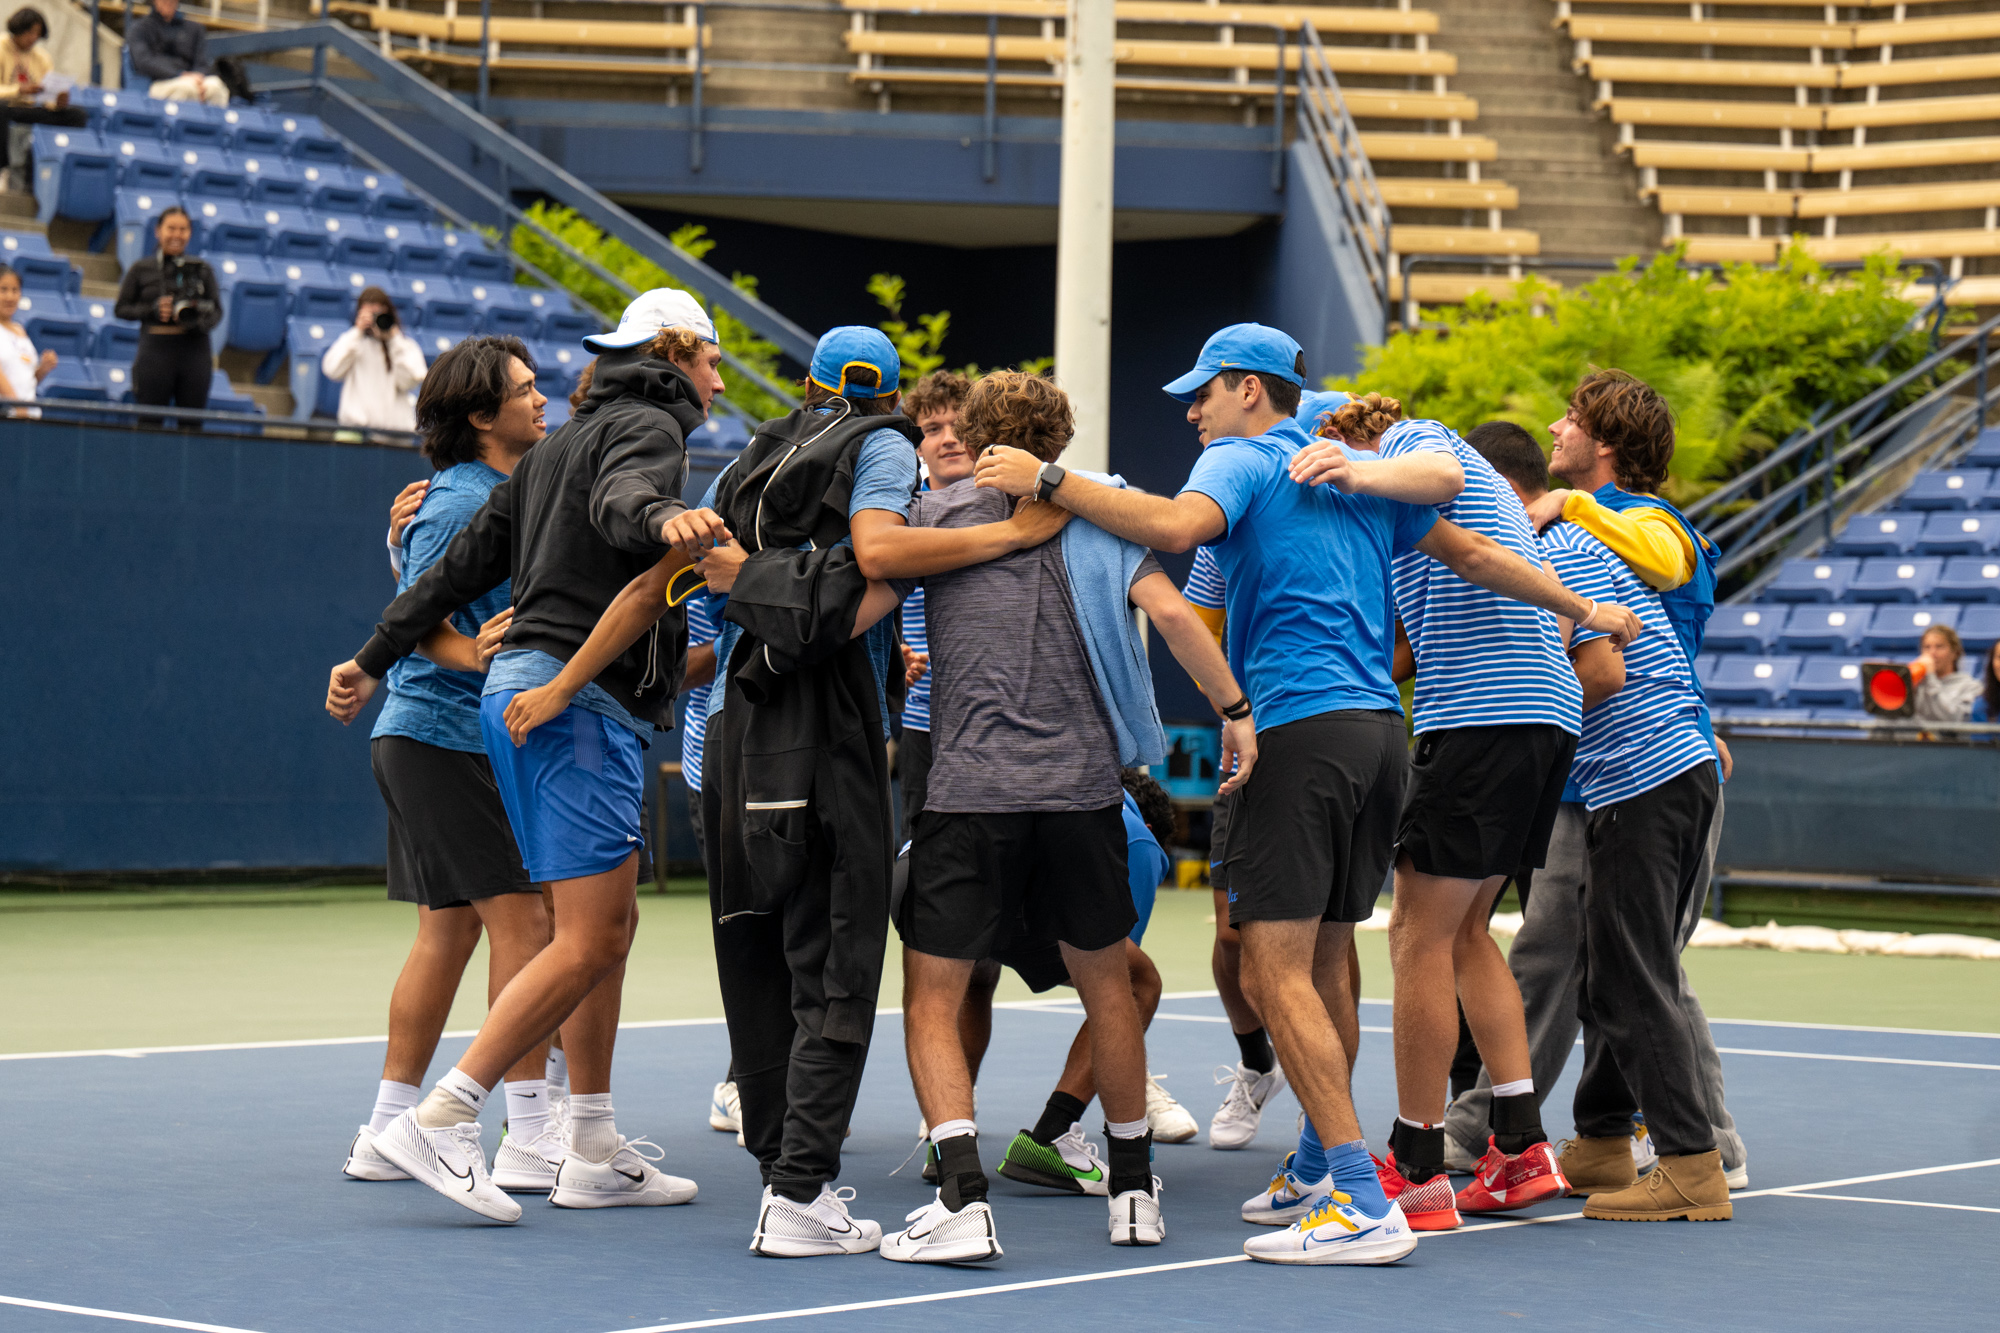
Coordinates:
385	321
183	282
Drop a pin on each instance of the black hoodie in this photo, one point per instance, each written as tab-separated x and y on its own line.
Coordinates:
579	519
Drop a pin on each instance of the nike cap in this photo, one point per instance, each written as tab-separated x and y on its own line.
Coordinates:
1251	347
661	308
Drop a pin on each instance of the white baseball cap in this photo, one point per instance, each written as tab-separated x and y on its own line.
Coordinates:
661	308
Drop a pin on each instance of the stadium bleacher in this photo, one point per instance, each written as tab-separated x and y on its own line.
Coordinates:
293	229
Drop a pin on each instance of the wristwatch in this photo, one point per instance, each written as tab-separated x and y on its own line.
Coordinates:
1047	479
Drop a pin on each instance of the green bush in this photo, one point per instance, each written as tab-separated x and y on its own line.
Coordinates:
1743	358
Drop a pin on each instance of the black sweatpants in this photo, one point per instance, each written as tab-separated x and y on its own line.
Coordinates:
1646	866
172	369
797	1088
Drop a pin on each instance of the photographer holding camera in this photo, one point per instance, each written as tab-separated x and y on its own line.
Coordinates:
174	297
377	365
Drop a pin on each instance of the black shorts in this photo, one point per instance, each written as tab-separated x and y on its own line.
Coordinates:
1313	833
982	882
449	841
913	772
1218	839
1483	799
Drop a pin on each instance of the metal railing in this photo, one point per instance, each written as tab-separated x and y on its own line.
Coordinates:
65	411
1324	123
1857	728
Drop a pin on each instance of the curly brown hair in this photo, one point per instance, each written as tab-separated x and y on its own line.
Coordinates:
582	389
1622	411
939	391
1363	419
674	343
1015	408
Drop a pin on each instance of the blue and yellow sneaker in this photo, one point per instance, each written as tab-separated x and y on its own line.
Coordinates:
1070	1164
1286	1199
1336	1232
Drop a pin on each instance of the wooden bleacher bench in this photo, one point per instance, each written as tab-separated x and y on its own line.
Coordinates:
1729	32
1768	4
1960	244
1695	112
1733	249
1406	240
1424	192
1362	103
464	31
1325	19
1790	73
1714	201
1451	288
1839	157
1429	147
1980	290
1676	155
1911	154
1260	56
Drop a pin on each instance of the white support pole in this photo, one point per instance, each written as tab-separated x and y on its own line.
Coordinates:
1083	238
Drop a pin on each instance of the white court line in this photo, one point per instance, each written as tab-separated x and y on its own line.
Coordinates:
1853	1059
121	1316
1907	1203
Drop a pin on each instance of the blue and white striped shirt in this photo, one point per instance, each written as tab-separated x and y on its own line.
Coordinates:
1483	660
1205	587
917	701
701	629
1648	732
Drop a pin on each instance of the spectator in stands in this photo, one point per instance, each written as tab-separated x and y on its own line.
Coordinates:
24	67
1986	708
21	369
173	53
378	365
1945	694
174	297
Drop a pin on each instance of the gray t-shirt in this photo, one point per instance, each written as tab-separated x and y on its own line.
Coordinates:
1017	724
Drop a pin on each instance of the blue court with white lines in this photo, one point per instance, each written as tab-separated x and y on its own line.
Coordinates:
200	1189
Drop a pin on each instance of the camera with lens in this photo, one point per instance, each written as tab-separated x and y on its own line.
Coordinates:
385	322
185	285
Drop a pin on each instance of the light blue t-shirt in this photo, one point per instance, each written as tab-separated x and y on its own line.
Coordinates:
1483	660
1146	865
1311	628
885	477
1650	730
694	730
427	702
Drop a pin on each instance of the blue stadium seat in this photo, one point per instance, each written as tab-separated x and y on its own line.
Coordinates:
76	174
507	309
222	397
306	341
137	211
1821	580
256	302
1890	533
358	242
253	130
296	236
229	227
1761	682
210	173
556	410
1969	578
145	164
355	279
418	247
56	322
76	378
436	344
1985	450
40	267
547	306
1991	499
723	431
1704	665
390	199
273	181
1840	714
560	358
480	265
1828	682
1740	629
1900	629
117	342
307	140
1835	628
1959	534
321	293
1961	488
115	111
1895	579
448	306
1979	627
331	189
196	124
565	323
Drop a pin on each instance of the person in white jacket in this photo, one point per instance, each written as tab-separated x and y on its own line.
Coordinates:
378	365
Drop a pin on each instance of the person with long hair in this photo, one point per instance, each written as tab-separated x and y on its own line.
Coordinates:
1986	708
22	368
378	366
1944	694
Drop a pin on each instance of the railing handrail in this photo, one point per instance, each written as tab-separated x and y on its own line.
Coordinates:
531	170
1324	121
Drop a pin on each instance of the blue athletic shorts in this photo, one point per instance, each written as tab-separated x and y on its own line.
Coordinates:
575	793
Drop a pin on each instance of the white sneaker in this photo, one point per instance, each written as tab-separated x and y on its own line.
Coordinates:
628	1179
1135	1217
937	1235
450	1161
1644	1156
789	1230
1458	1159
1167	1118
1737	1178
364	1163
725	1110
1337	1233
1286	1199
1235	1123
529	1168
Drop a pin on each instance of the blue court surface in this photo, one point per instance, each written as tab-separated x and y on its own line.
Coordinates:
201	1189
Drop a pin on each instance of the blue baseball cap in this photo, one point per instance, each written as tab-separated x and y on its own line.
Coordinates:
841	350
1314	404
1253	347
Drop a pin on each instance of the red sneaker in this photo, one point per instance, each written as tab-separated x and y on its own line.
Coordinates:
1426	1207
1501	1184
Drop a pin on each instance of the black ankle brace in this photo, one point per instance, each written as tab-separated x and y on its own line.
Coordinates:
1419	1153
1517	1123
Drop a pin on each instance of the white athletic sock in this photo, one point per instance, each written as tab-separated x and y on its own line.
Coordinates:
1520	1087
593	1135
558	1073
527	1108
391	1100
952	1129
456	1100
1126	1129
1415	1124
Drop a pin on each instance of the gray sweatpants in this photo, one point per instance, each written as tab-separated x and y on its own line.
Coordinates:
1544	961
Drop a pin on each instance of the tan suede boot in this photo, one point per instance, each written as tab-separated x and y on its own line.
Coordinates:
1690	1187
1594	1165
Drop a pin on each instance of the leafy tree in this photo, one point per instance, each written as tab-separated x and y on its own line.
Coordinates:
920	347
